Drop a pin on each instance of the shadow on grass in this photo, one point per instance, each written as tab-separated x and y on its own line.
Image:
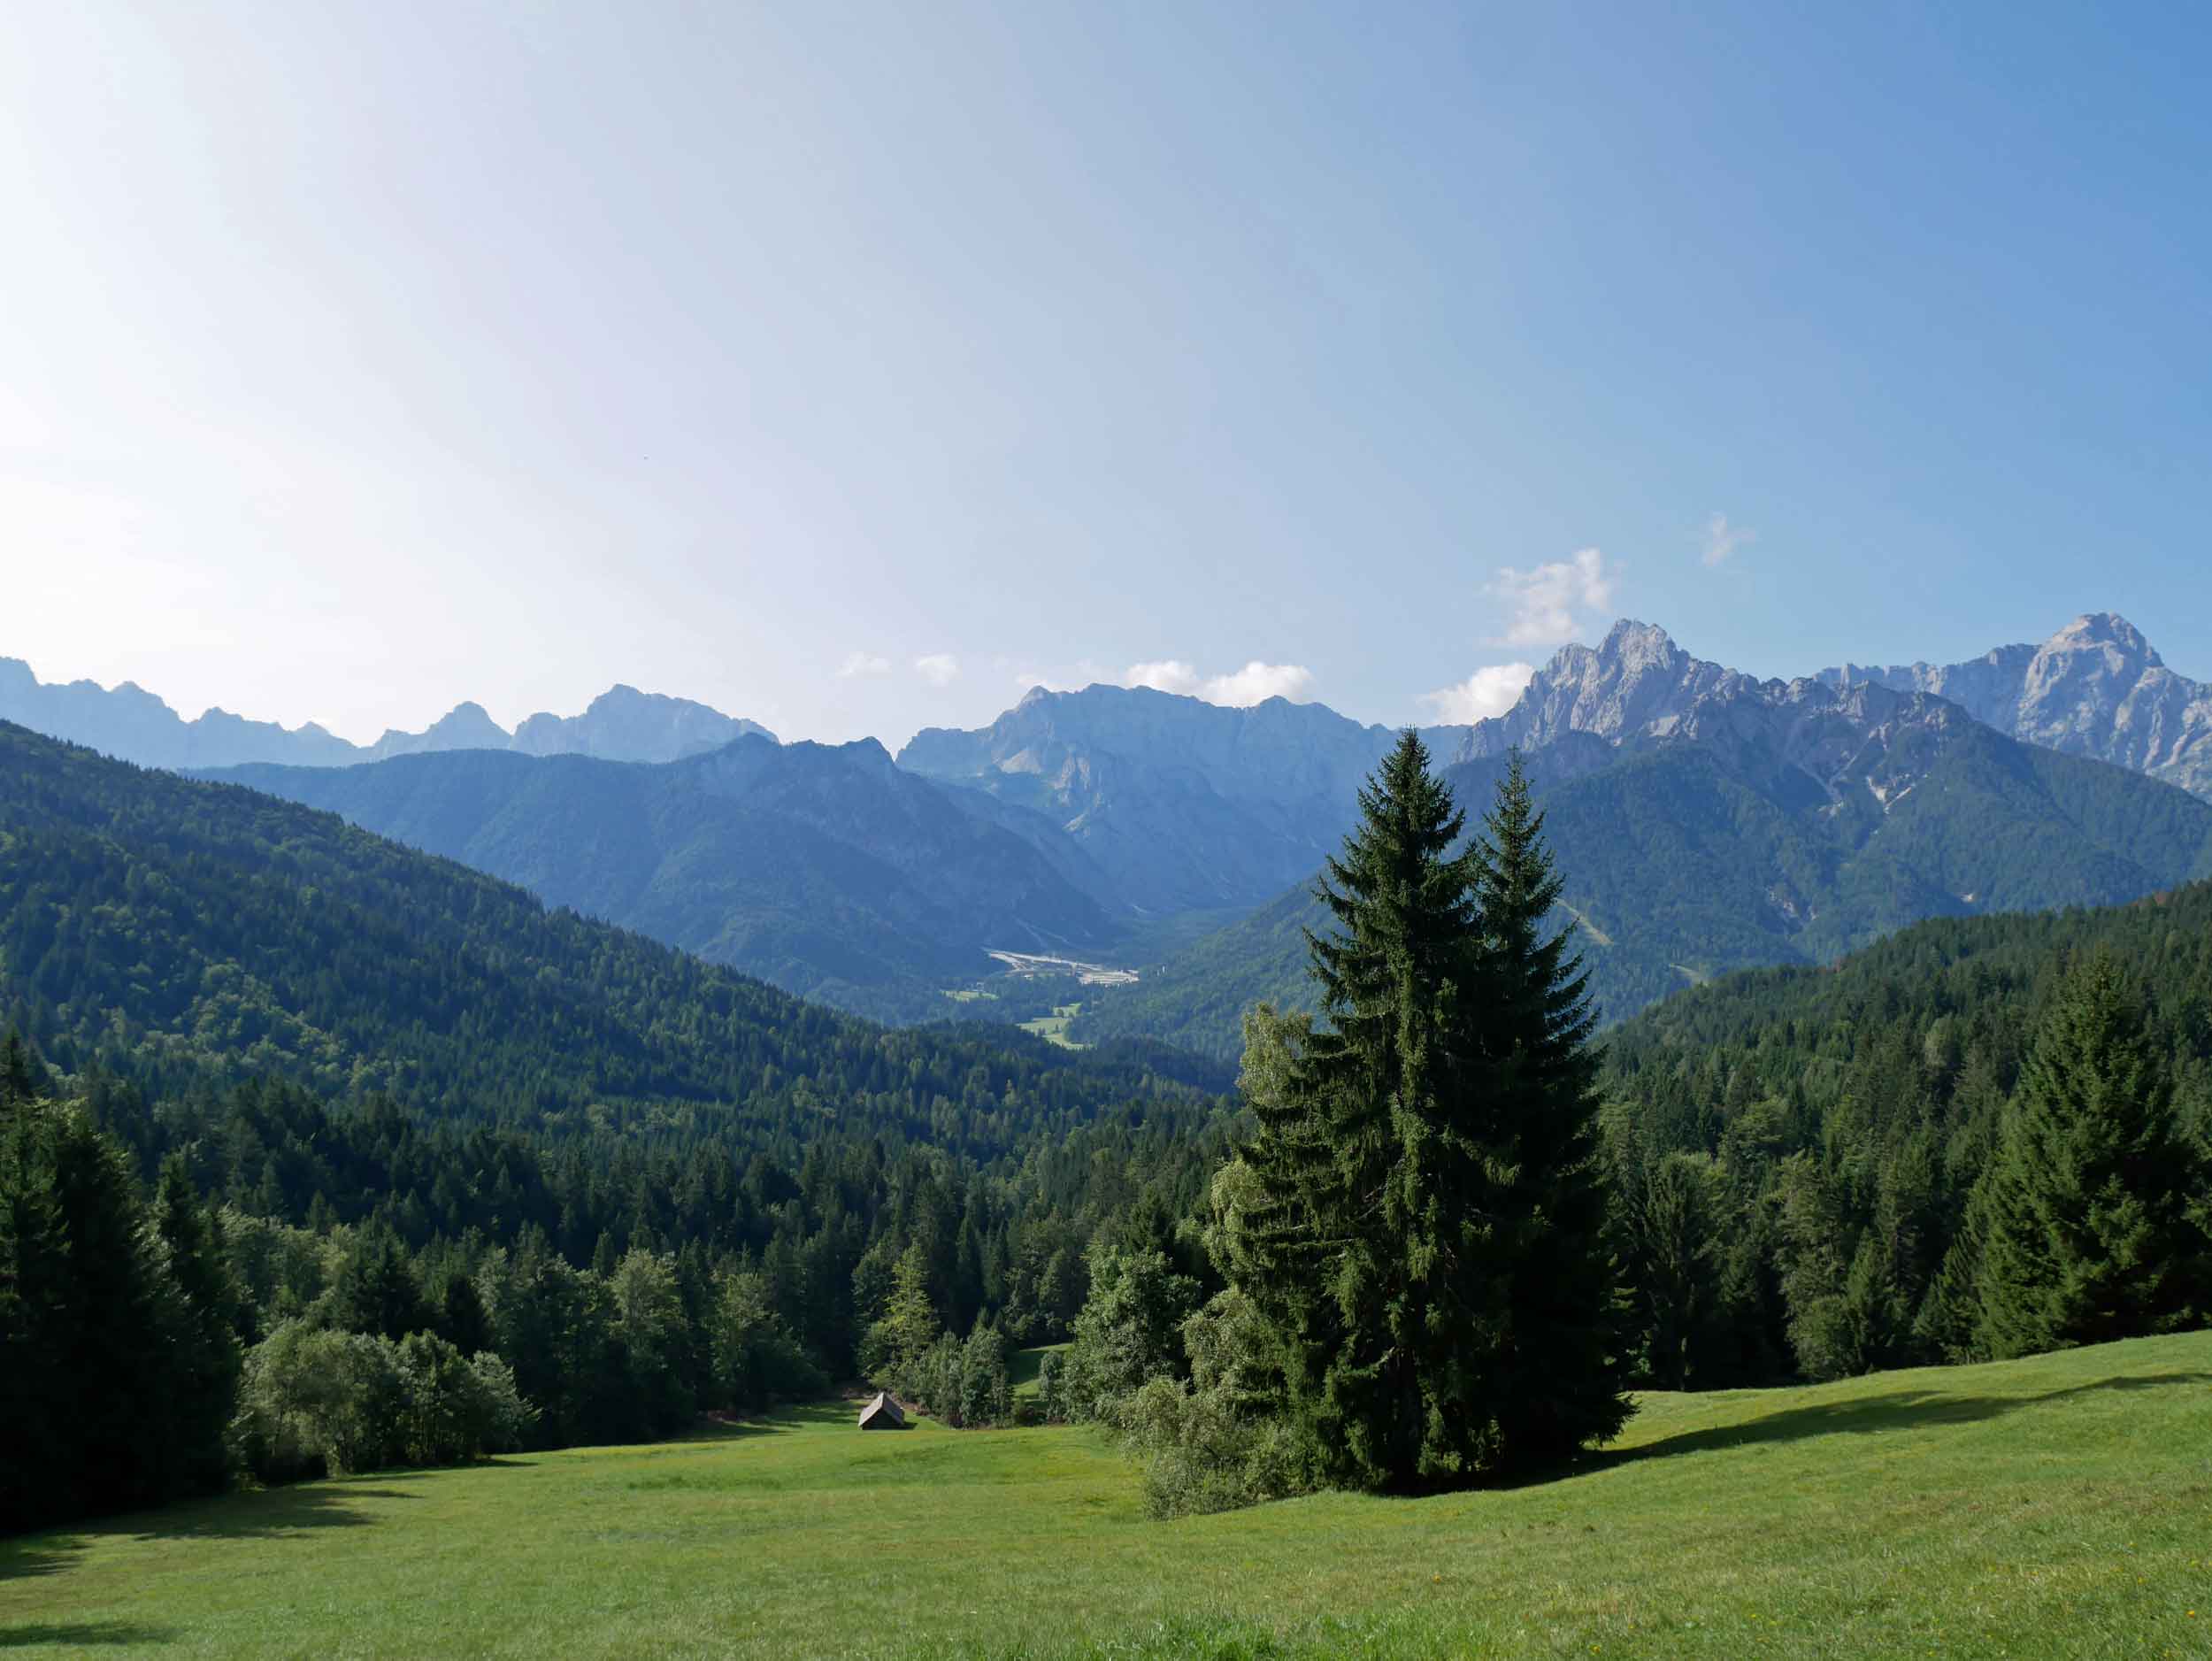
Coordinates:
795	1416
86	1634
1869	1415
278	1511
49	1554
723	1429
318	1503
255	1516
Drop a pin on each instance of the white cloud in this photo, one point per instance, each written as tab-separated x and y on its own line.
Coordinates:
861	662
1542	601
1167	675
1487	692
939	668
1255	683
1722	539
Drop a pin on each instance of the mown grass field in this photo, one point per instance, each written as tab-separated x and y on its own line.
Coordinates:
2055	1507
1053	1028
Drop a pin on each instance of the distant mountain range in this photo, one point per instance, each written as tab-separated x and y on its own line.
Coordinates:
1705	821
1183	805
823	869
131	724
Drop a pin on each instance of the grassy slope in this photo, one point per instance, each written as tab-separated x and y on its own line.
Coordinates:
2055	1507
1026	1365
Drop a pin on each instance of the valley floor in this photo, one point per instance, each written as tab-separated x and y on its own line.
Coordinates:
2055	1507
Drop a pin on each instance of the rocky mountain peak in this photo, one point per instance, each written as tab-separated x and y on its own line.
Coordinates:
471	722
2110	635
2096	688
1636	682
624	724
2103	629
1640	647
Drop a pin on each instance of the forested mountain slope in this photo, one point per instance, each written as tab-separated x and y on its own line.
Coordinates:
1979	975
1756	825
823	869
191	934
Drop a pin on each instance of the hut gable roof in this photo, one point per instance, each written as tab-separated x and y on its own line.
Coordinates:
883	1413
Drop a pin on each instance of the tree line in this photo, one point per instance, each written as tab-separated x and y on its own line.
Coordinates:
1978	1139
257	1284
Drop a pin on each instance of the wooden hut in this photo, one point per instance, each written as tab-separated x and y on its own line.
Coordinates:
883	1413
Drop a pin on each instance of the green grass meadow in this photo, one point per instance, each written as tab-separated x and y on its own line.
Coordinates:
2055	1507
1025	1366
1053	1029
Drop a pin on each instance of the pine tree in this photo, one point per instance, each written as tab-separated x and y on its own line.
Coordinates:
376	1291
1552	1382
910	1324
1426	1240
2082	1221
87	1343
201	1315
19	1073
1362	1167
460	1319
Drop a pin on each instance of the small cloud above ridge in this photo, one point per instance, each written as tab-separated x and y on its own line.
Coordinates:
1542	603
1487	693
1721	539
1255	683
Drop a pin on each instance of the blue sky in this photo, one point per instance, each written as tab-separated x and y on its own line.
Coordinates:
851	368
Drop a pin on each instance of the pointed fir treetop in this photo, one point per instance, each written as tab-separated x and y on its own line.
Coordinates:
1542	982
1403	902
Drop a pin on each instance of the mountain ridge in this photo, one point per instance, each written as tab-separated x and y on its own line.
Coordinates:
1184	803
186	932
1705	821
131	724
823	869
2097	688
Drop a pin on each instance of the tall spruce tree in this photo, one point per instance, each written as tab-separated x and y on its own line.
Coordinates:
86	1324
1552	1381
2082	1223
1426	1240
200	1318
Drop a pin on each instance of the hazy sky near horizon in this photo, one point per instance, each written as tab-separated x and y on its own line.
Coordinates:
852	367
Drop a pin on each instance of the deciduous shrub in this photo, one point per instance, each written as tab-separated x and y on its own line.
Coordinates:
315	1402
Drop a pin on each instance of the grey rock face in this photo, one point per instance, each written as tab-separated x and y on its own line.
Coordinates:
622	724
1637	684
465	726
1638	687
1183	804
2096	688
